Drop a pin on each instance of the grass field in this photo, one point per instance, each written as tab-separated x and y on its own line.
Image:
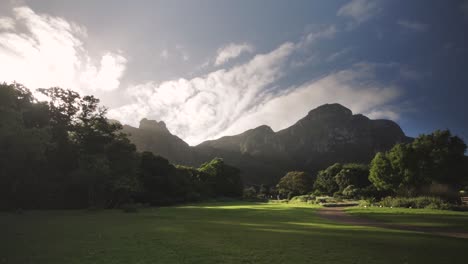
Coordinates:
441	219
212	233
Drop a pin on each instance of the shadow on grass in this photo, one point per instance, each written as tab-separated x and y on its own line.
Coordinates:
282	218
235	232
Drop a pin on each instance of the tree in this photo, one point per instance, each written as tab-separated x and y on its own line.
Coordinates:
440	157
154	174
123	166
353	174
264	191
382	174
62	153
24	138
325	182
408	169
224	179
295	183
249	193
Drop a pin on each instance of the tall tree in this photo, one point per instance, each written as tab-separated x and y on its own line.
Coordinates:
325	182
224	179
295	183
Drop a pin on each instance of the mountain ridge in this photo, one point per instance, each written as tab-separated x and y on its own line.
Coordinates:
327	134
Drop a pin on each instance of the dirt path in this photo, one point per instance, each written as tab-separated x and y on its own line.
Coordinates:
338	214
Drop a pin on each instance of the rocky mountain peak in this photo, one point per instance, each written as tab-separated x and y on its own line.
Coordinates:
153	125
328	111
263	129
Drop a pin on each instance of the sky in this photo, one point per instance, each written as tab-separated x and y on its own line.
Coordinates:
215	68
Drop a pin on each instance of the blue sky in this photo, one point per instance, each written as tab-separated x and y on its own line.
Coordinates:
214	68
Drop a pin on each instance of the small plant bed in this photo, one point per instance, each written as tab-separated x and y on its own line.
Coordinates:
326	201
341	204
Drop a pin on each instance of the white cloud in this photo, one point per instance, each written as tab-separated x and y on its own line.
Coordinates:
202	107
106	76
182	52
164	54
359	10
49	52
7	23
319	33
315	34
338	54
383	114
232	51
413	25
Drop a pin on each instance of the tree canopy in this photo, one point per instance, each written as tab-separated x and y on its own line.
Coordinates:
337	177
409	169
295	183
65	153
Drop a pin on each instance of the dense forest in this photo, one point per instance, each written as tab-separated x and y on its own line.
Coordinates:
64	153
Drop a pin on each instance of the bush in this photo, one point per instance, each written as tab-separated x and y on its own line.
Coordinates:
367	202
350	191
326	199
284	201
130	208
94	208
193	196
339	204
249	193
302	199
415	202
338	195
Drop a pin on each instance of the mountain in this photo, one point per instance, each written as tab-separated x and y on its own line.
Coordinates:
328	134
155	137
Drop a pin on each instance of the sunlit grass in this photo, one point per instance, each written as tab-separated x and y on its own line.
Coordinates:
444	219
235	232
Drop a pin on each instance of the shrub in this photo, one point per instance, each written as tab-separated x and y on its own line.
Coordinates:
302	199
317	193
367	202
249	193
350	191
337	195
415	202
130	208
325	199
284	201
94	208
193	196
295	183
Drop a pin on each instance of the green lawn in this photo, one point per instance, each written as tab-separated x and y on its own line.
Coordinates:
212	233
443	219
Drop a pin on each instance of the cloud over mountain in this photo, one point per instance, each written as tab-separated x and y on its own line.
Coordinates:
230	101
